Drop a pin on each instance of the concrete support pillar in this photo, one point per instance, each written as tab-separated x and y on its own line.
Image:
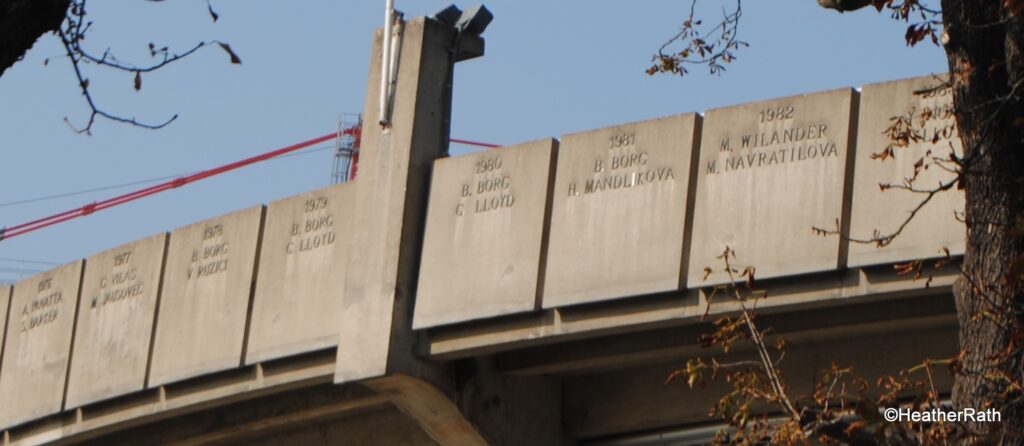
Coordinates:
391	190
510	410
463	404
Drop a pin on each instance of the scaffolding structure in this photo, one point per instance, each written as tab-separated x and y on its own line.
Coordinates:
346	151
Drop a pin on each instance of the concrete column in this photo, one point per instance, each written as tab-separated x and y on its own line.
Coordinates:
456	404
391	190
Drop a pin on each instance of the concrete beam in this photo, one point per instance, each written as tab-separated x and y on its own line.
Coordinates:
808	326
646	312
431	409
635	399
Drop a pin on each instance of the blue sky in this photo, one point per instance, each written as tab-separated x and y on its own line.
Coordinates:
551	68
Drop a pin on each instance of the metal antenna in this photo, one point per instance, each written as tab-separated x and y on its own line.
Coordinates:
385	62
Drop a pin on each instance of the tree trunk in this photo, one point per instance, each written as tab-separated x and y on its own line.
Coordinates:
984	47
21	24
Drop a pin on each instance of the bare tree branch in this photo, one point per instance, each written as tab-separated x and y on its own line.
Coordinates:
73	33
879	239
95	111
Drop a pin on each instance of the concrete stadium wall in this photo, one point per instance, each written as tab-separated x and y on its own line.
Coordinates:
631	211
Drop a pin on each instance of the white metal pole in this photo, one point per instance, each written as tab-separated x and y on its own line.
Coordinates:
385	61
396	43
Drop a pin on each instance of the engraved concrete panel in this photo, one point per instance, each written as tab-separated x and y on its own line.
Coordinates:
204	305
929	117
485	223
38	344
619	211
303	258
120	291
769	172
5	302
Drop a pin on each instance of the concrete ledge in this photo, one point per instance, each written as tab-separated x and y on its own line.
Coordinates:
422	403
633	398
177	399
674	309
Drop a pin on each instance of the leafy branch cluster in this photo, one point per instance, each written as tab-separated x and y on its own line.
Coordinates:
73	33
843	408
712	47
907	131
715	47
927	21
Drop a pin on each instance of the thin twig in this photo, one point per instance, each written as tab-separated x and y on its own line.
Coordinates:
73	33
884	240
95	111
